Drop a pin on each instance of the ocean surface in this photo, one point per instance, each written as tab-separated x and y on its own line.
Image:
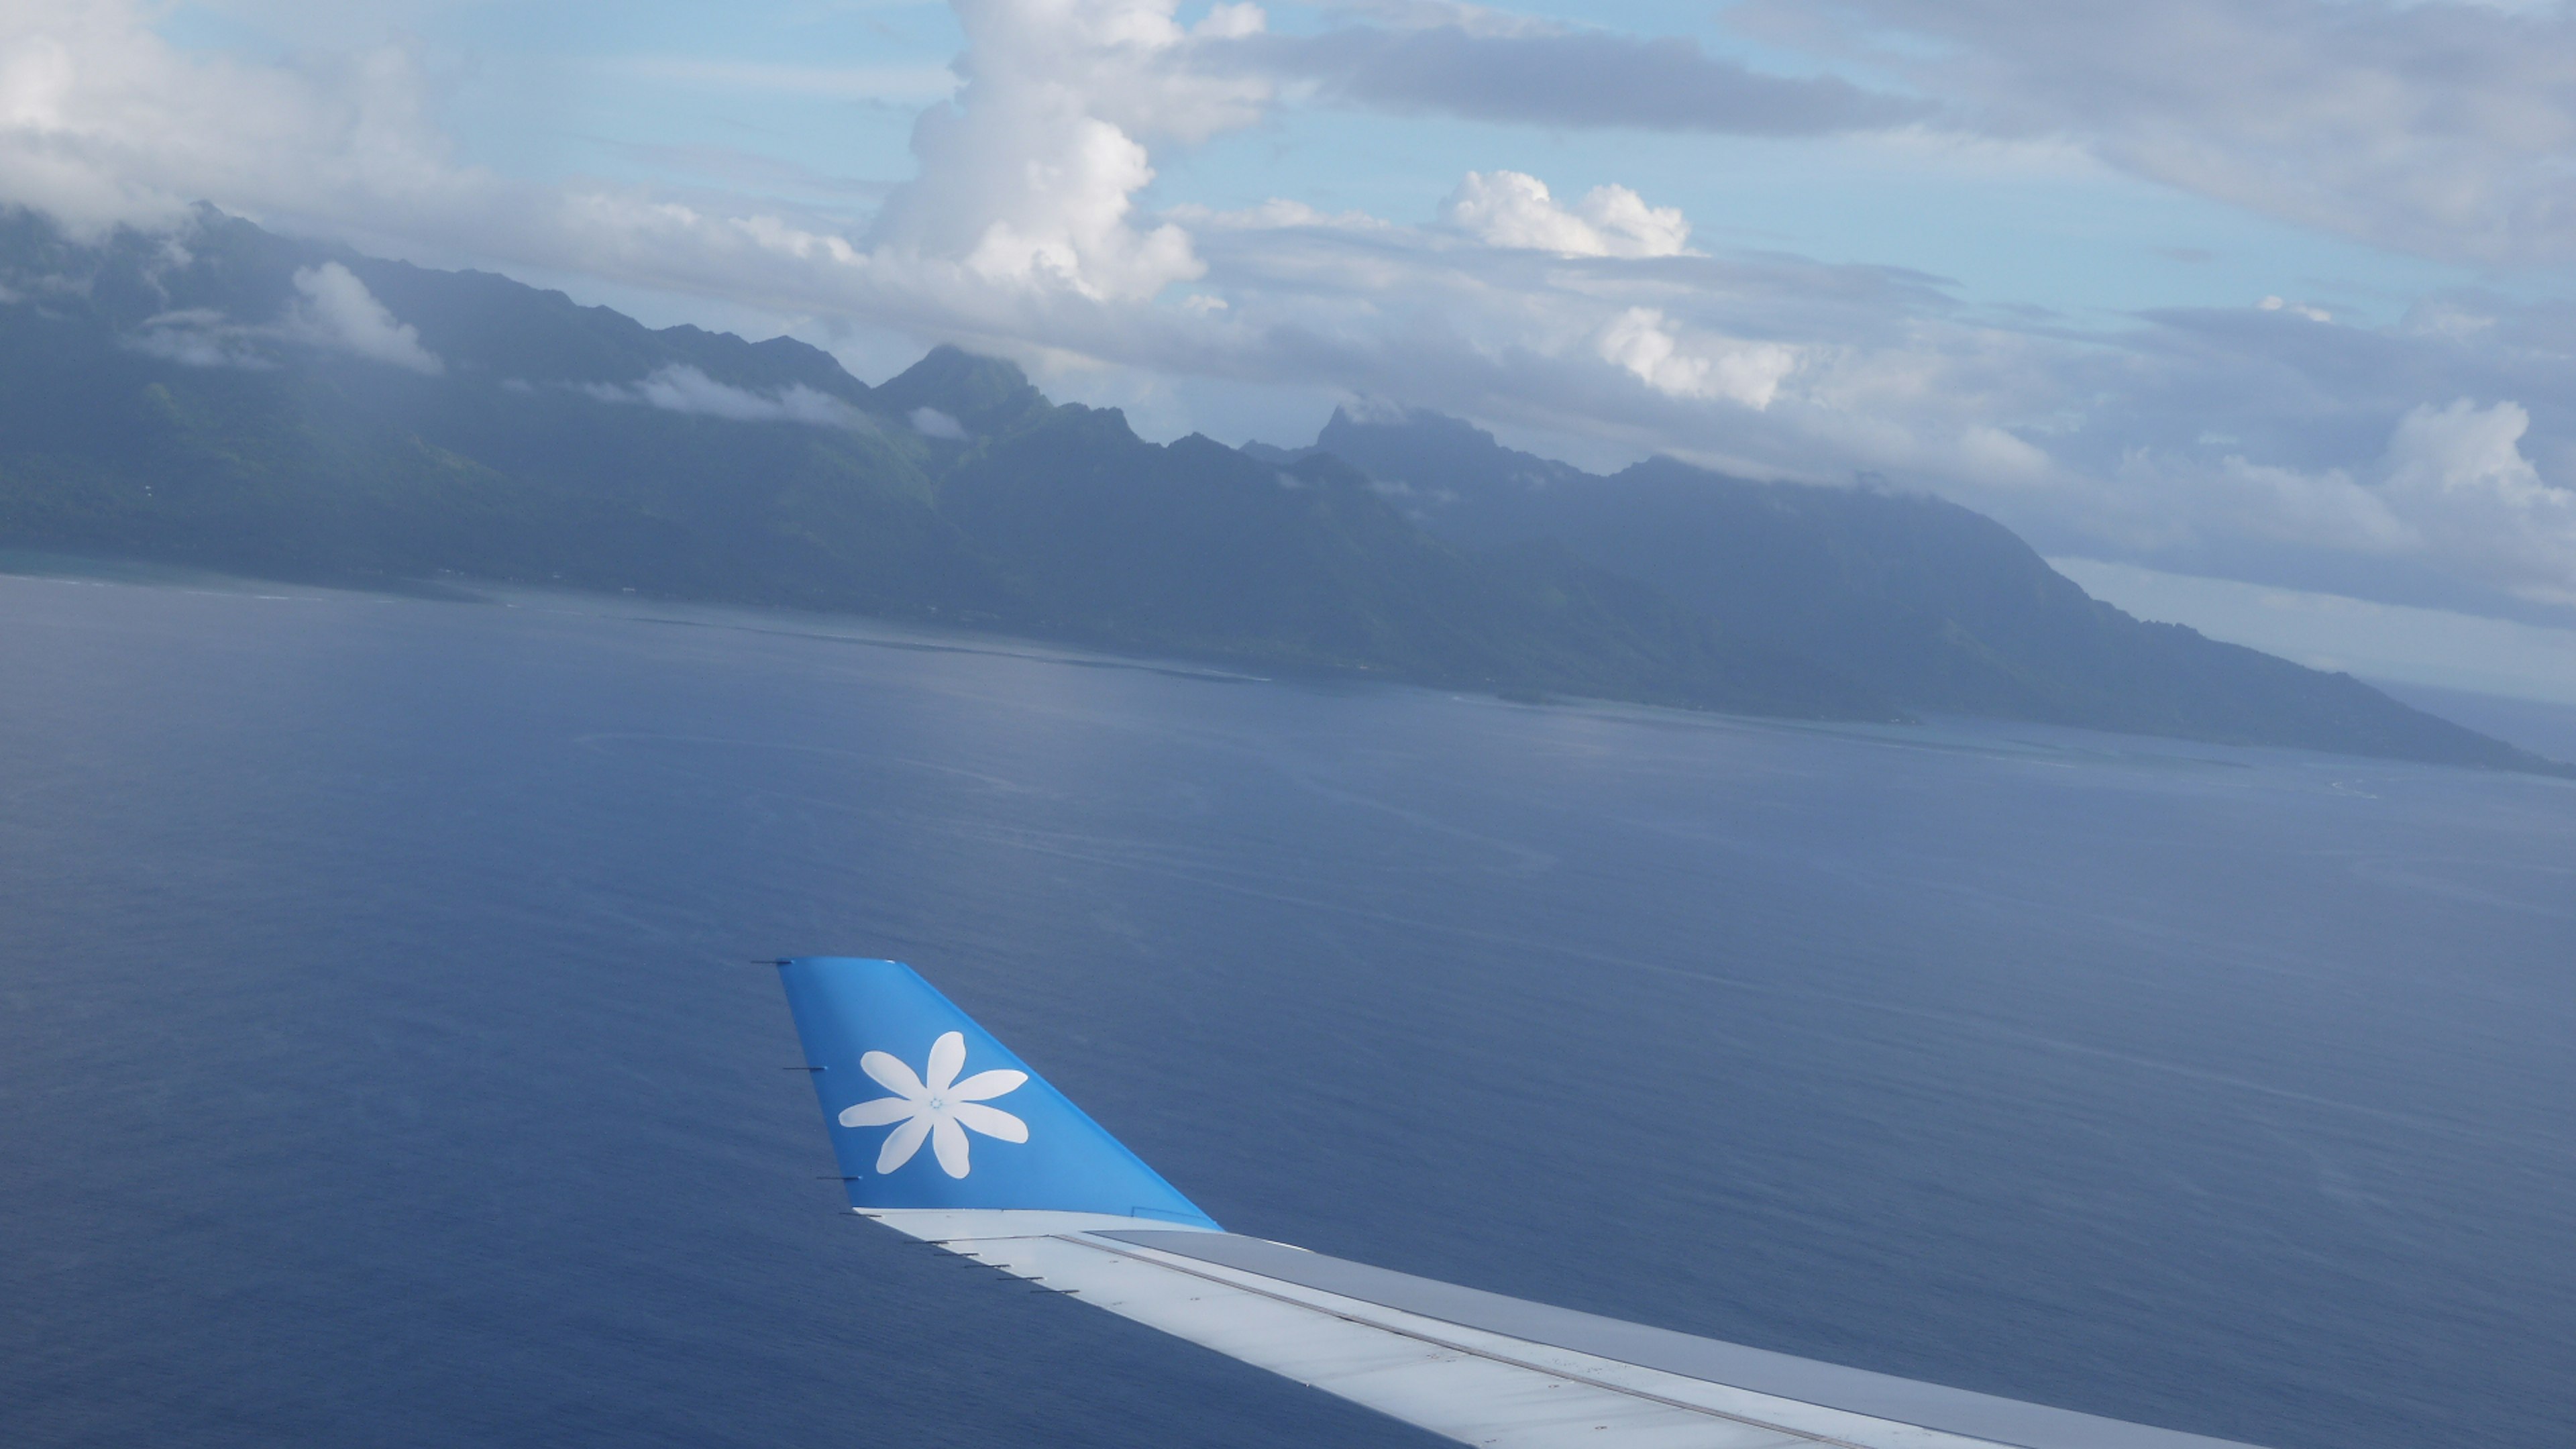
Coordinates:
384	1063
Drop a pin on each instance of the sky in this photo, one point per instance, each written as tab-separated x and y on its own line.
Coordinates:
2219	303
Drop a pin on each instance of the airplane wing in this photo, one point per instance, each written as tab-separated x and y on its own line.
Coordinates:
945	1136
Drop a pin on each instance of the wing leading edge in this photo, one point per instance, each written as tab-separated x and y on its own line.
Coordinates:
1477	1367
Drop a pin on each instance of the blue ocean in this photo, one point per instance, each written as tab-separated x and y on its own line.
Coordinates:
385	1062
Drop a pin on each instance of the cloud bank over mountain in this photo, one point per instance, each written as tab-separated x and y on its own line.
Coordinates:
334	309
2424	456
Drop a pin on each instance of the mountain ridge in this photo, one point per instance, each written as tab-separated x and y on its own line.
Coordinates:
221	396
1940	607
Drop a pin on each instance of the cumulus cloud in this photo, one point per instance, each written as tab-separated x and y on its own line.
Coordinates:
1030	175
2451	489
1642	341
334	309
1513	209
1026	190
2459	475
678	388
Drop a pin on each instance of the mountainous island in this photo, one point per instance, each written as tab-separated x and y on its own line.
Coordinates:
227	397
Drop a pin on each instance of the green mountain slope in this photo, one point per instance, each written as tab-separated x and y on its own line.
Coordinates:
1941	608
527	457
1197	548
232	398
184	403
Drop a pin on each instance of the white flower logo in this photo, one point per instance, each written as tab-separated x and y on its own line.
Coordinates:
940	1109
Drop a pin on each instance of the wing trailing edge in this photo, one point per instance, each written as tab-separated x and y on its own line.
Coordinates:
1060	1203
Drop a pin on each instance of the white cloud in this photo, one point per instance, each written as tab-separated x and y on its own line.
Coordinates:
678	388
331	309
1642	341
2182	499
1514	209
102	121
2295	309
2451	487
1231	21
334	309
2459	475
1030	178
1999	457
1027	186
930	422
196	337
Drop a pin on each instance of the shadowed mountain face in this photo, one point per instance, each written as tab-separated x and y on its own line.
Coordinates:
185	399
1941	608
212	399
1214	553
236	399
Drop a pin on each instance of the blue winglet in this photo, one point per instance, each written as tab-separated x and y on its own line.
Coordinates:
927	1110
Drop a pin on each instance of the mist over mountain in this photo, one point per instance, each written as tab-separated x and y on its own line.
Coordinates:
228	397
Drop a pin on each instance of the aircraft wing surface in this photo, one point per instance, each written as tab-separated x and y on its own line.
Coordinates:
979	1156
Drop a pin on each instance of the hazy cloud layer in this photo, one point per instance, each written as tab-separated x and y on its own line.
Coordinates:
331	309
334	309
198	337
930	422
1558	78
101	121
679	388
2439	128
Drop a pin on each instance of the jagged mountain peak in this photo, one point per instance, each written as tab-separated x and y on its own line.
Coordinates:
196	397
981	394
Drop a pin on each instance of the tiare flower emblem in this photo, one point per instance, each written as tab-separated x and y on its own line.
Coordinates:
940	1108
